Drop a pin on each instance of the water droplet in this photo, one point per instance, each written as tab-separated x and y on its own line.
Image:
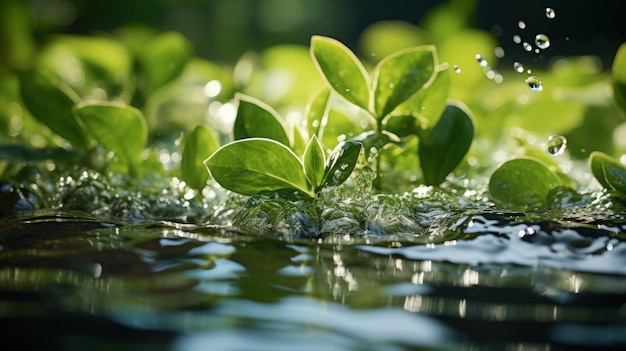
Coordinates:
517	39
518	67
213	88
347	90
527	46
534	83
343	166
542	41
529	71
527	232
391	85
521	24
457	69
499	52
556	145
550	13
482	62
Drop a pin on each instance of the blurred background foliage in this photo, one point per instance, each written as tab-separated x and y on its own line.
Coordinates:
213	48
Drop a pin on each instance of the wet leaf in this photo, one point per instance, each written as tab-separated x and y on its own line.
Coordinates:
442	148
257	165
341	69
117	128
200	144
314	160
522	183
341	163
429	102
256	119
609	172
315	112
399	76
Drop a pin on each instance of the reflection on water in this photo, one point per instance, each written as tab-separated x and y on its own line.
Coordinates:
74	281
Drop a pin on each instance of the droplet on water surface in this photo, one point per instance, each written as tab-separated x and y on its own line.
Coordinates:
482	62
556	145
518	67
534	83
542	41
550	13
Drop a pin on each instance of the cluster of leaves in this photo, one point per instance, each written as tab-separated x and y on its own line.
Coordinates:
391	103
97	95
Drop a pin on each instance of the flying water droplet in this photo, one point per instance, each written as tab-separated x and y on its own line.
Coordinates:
518	67
482	62
556	145
527	46
457	69
521	24
542	41
550	13
534	84
517	39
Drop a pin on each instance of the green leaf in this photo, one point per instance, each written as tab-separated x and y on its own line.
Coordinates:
198	146
256	119
257	165
374	142
103	63
315	111
341	163
609	172
618	77
522	183
442	148
314	161
118	128
341	69
399	76
52	103
164	59
429	102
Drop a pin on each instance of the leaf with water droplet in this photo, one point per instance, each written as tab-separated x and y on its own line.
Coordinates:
315	112
373	140
256	119
314	160
442	148
399	76
522	183
345	153
428	103
609	172
257	165
341	69
199	144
